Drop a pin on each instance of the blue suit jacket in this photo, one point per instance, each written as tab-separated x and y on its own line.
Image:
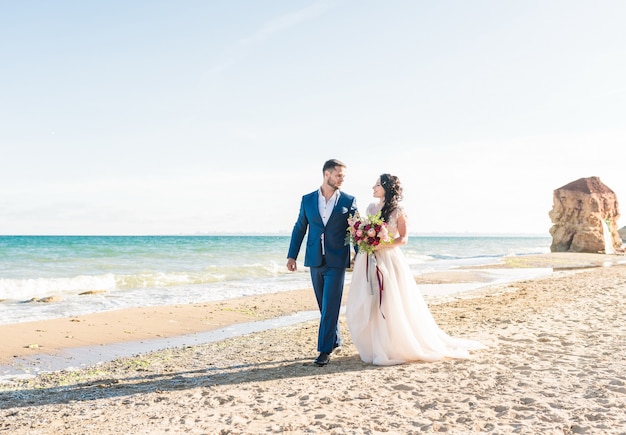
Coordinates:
336	251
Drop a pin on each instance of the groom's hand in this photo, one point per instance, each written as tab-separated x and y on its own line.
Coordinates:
291	265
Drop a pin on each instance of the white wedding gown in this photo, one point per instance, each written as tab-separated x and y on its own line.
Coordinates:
400	328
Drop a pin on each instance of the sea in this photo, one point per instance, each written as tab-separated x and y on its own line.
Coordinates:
89	274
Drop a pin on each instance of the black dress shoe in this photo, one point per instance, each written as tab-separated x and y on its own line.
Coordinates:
322	359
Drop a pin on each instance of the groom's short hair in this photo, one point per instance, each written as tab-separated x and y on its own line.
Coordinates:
332	164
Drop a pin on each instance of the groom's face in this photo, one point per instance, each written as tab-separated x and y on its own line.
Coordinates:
335	177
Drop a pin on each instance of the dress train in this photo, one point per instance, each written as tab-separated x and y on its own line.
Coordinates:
398	327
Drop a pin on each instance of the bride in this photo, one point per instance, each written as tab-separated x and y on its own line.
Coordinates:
394	325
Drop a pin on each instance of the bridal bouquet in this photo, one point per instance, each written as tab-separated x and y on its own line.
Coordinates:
367	232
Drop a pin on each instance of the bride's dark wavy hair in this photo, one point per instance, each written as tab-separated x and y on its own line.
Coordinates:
393	194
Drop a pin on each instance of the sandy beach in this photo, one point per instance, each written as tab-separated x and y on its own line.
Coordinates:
556	364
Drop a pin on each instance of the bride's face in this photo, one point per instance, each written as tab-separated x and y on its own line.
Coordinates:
379	191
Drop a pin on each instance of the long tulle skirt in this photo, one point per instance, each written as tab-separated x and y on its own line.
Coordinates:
395	325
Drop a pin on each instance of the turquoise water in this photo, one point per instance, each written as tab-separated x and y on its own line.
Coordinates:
129	271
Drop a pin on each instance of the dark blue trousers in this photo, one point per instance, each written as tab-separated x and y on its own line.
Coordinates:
328	286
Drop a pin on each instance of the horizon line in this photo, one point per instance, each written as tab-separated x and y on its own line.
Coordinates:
283	234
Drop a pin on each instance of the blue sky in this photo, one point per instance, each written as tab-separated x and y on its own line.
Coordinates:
164	117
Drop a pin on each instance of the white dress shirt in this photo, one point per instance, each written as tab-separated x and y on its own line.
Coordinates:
326	207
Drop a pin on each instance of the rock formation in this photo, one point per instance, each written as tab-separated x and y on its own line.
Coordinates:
584	216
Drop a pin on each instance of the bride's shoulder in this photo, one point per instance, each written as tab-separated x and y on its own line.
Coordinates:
399	211
372	208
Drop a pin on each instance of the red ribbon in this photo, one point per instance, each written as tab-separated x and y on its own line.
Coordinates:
379	276
381	282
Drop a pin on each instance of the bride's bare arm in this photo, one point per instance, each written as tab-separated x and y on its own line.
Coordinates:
402	236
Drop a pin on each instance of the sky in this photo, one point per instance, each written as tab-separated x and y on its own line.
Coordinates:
203	117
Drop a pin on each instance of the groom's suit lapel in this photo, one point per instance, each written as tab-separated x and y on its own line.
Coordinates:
316	207
336	207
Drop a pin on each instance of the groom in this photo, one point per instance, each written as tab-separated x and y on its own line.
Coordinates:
325	213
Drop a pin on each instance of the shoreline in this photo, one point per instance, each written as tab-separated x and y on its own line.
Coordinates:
30	339
24	343
554	364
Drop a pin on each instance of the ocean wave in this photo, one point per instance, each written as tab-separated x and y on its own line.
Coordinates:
26	289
